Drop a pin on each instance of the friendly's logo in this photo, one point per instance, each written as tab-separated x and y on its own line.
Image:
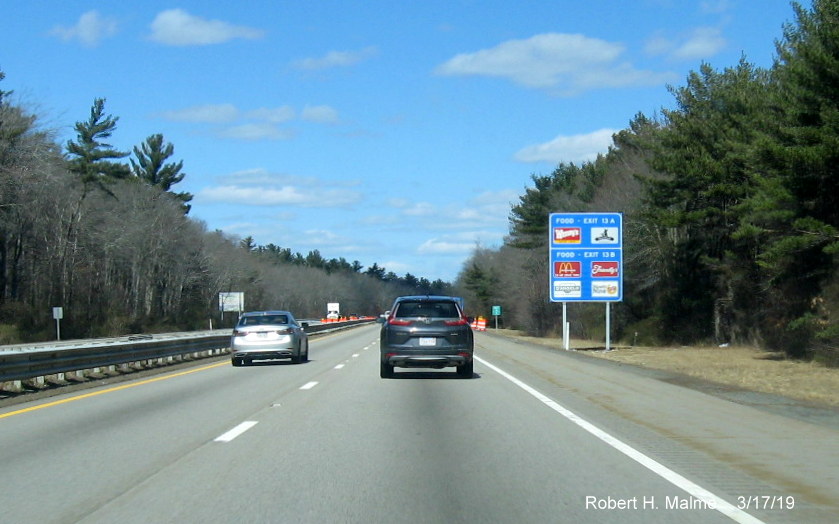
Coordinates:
604	269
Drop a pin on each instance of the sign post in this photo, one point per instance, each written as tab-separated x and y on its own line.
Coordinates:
496	312
58	314
586	260
231	301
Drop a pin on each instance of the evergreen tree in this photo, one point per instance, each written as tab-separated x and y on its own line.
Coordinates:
248	244
795	214
150	166
705	150
559	191
90	157
483	284
376	272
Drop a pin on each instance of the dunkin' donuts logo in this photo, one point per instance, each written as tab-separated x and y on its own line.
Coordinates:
567	235
568	269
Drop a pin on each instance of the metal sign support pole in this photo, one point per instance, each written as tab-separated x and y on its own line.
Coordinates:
608	326
566	336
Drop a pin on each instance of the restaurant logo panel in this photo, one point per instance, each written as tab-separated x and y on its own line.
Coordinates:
586	257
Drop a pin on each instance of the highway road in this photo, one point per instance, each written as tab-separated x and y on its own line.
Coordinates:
536	436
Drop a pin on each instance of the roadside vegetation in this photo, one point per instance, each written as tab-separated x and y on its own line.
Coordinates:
104	234
731	210
730	202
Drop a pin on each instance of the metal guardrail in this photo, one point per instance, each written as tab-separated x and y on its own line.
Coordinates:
82	360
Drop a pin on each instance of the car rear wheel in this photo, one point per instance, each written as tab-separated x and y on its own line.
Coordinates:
386	370
466	370
299	358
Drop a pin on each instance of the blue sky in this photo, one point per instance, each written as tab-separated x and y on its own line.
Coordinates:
380	131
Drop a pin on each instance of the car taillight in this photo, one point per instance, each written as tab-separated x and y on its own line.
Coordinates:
237	333
394	322
458	322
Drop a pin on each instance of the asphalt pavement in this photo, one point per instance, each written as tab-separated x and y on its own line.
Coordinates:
536	436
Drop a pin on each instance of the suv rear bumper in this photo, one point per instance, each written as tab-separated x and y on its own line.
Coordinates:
426	361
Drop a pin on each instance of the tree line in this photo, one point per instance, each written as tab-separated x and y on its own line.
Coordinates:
110	241
731	210
731	224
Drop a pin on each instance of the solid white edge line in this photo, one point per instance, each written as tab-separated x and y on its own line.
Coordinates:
235	432
727	509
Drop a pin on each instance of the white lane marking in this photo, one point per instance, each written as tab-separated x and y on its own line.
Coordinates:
339	366
355	355
713	501
309	385
235	432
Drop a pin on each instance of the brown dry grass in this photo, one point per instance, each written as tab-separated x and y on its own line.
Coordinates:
744	367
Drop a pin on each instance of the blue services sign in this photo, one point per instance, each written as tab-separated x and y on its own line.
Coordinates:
586	262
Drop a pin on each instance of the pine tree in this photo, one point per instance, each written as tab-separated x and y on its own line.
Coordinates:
705	149
90	157
150	166
795	212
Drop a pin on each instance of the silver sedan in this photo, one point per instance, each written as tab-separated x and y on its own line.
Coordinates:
268	335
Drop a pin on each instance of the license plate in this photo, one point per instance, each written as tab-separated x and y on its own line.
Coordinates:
427	341
262	335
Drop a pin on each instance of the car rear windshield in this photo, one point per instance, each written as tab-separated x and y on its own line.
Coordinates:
427	309
262	320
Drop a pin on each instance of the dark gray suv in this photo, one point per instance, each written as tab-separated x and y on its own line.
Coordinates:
426	332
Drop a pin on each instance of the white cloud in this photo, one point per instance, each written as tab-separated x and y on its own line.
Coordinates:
214	114
561	63
495	203
258	187
323	237
703	42
256	131
261	176
715	6
700	43
408	208
437	246
399	268
177	27
336	59
89	30
275	115
257	196
264	121
320	114
574	148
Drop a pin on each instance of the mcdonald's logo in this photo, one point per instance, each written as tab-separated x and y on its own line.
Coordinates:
568	269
